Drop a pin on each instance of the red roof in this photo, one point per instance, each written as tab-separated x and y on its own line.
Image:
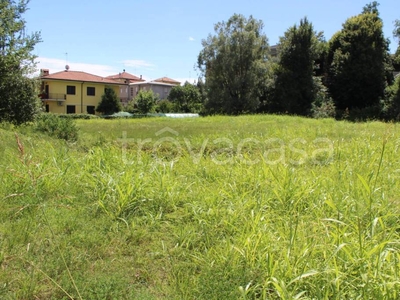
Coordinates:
78	76
167	80
125	75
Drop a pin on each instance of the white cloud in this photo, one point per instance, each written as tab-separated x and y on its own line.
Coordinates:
56	65
137	63
191	39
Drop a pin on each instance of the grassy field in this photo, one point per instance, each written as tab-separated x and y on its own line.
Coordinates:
250	207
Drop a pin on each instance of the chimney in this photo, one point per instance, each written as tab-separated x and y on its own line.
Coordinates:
140	76
44	72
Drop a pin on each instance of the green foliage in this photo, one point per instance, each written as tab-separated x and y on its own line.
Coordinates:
165	106
234	63
57	126
396	34
323	106
18	98
109	103
359	61
294	86
18	94
186	98
391	104
145	101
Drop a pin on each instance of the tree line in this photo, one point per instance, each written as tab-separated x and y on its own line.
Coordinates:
349	76
352	73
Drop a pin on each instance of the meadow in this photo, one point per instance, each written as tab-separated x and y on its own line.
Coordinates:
248	207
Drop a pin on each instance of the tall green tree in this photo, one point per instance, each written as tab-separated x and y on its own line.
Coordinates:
299	49
109	103
18	93
396	34
186	98
359	61
234	62
145	101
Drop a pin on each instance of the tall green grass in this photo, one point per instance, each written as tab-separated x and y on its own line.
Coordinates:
252	207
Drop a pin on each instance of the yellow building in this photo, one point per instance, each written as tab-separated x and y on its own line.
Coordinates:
70	92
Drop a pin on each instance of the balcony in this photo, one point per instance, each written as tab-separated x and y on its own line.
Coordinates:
53	97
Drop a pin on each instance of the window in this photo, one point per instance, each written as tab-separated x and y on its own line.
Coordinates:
47	108
70	109
70	90
90	109
91	91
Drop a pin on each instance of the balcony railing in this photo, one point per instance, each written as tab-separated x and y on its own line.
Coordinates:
53	96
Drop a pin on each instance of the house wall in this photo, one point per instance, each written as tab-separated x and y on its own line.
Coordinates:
81	100
161	90
158	89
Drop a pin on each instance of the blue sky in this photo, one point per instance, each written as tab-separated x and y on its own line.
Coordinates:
157	38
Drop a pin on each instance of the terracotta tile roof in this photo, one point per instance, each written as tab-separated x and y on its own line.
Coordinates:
79	76
125	75
167	80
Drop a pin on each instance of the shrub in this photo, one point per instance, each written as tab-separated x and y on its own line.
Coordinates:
326	109
109	103
323	105
391	104
18	101
145	101
368	113
165	106
57	126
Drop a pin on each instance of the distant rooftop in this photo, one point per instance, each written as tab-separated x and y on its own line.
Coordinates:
153	83
126	75
167	80
75	76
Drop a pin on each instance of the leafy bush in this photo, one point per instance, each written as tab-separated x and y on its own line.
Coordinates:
56	126
18	101
391	105
368	113
325	109
186	98
145	101
165	106
323	105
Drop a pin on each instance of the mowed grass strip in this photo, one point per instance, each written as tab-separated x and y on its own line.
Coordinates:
249	207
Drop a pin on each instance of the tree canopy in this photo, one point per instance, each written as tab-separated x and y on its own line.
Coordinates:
299	49
109	103
358	61
234	62
18	93
145	101
186	98
396	34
